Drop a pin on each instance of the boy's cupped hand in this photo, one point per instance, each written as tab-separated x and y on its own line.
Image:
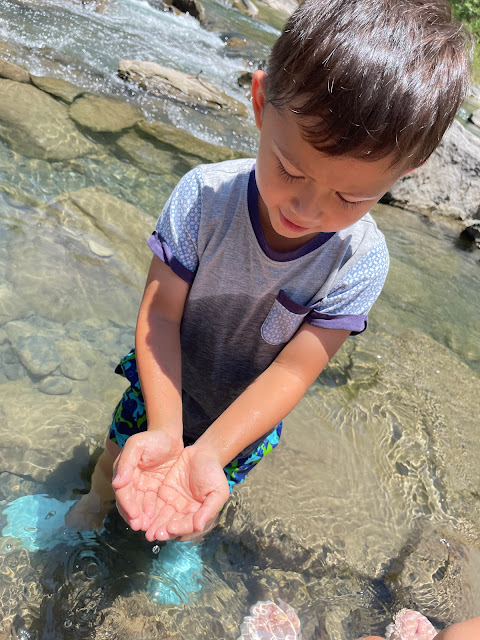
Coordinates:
165	489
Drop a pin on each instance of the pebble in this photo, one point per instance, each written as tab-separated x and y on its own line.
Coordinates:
55	386
75	369
38	354
99	250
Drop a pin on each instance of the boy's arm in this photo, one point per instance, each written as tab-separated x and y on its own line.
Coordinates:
274	393
148	456
157	347
255	412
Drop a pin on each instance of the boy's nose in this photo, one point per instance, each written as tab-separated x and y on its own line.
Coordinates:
307	204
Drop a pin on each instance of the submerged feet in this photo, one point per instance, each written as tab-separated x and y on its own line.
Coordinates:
88	513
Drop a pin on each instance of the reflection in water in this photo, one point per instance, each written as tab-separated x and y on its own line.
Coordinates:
371	501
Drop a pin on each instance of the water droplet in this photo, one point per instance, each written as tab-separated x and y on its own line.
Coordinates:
156	549
50	515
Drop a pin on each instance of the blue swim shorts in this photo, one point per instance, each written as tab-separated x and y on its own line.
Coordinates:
129	417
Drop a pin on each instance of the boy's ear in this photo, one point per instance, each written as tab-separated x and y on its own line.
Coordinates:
259	83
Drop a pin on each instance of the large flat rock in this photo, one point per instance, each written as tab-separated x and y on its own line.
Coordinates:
163	81
36	125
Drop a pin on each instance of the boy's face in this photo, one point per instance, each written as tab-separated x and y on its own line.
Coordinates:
303	192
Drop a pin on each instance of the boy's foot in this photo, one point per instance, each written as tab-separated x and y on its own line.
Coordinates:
88	513
410	625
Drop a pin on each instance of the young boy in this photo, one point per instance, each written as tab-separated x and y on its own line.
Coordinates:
261	269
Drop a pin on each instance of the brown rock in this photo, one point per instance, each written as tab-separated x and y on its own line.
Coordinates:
13	72
103	114
62	89
162	81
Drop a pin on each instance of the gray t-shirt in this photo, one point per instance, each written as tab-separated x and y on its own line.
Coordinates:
246	300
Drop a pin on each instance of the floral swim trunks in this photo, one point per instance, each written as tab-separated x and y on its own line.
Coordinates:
129	417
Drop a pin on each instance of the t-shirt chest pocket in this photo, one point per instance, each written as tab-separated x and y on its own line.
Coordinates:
283	320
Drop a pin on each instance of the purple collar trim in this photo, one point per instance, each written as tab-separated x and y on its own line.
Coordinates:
278	256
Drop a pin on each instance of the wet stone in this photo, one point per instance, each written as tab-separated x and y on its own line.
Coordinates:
103	114
55	386
75	369
37	353
62	89
163	81
13	72
182	141
37	126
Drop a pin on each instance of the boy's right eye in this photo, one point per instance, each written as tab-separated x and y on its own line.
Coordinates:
287	176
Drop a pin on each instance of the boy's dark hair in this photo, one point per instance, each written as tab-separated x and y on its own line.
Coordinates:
370	78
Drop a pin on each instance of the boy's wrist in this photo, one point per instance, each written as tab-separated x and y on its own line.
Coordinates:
211	448
175	432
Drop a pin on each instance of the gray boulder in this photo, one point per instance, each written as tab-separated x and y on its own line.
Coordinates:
162	81
36	125
475	117
448	184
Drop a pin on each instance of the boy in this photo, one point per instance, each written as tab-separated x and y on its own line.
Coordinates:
261	269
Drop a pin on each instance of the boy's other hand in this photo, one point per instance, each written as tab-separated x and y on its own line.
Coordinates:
193	493
139	472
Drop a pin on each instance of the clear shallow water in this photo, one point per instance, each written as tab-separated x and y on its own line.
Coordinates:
370	503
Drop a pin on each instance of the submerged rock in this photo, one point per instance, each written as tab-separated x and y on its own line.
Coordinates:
35	349
178	140
55	386
62	89
103	114
142	152
36	125
163	81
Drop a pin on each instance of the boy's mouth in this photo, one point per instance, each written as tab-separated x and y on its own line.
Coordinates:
291	225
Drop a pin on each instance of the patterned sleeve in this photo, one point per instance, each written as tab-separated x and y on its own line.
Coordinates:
346	306
174	240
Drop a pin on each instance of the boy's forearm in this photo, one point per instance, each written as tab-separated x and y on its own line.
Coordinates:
273	394
255	412
157	348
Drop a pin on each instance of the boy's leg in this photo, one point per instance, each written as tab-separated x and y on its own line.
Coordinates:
90	511
128	418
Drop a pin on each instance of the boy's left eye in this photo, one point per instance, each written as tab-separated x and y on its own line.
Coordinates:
288	176
347	203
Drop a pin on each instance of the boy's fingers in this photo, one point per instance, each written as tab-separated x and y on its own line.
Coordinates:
126	463
181	525
209	509
128	504
158	530
150	503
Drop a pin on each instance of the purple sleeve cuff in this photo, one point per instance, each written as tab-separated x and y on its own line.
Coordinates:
161	249
354	324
